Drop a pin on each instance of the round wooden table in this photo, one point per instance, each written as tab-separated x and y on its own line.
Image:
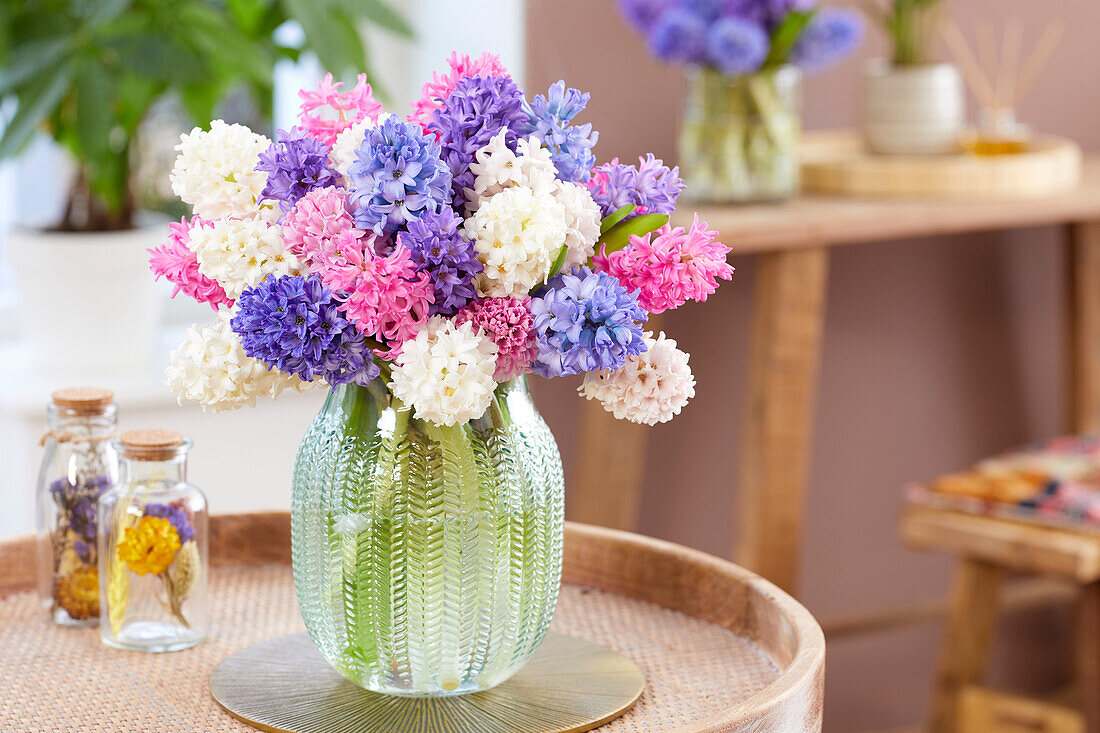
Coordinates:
721	648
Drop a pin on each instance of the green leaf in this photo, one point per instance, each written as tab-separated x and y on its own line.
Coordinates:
615	217
42	98
619	235
559	261
159	59
786	35
94	109
248	14
207	31
106	11
332	35
381	14
30	59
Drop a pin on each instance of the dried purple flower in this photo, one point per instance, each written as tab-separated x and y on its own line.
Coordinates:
83	519
176	516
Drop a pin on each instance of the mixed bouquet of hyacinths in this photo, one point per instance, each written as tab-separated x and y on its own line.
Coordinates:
739	139
443	254
419	267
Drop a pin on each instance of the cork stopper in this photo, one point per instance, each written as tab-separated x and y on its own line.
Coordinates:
151	445
83	400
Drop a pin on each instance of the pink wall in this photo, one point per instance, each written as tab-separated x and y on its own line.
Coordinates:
936	353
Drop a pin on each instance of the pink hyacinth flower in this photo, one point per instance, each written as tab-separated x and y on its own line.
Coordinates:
390	300
441	85
509	324
670	266
175	262
318	216
349	107
341	260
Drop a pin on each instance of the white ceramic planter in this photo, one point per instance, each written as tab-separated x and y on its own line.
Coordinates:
87	303
912	109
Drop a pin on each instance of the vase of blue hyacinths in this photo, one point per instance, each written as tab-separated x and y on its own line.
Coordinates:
744	60
419	268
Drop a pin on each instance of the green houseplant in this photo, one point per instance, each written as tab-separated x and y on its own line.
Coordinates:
911	105
88	72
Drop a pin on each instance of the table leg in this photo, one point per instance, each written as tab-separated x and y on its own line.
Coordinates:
1084	337
787	322
1086	653
611	461
964	653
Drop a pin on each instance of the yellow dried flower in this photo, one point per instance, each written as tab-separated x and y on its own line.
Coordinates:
78	593
150	547
69	561
186	569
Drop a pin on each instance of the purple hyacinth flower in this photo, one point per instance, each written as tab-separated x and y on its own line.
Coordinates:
641	14
176	516
296	163
651	185
832	35
438	248
678	35
477	109
585	321
398	175
570	146
294	324
737	46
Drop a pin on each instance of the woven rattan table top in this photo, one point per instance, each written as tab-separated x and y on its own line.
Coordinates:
64	680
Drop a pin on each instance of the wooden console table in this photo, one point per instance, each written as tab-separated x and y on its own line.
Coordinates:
792	243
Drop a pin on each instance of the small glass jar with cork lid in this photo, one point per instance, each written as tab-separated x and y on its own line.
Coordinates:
153	547
78	465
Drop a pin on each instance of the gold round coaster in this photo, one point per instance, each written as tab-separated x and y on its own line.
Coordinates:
284	685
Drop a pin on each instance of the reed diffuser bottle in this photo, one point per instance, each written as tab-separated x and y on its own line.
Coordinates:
153	548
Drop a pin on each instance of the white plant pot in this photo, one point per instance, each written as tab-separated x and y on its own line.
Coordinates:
87	303
912	109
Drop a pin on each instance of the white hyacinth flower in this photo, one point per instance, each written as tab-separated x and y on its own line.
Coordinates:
215	170
445	373
650	388
496	168
582	221
240	253
211	368
517	234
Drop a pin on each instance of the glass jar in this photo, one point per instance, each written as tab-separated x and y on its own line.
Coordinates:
153	548
78	465
739	136
427	559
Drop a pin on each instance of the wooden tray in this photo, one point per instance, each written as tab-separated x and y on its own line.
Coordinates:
721	649
835	162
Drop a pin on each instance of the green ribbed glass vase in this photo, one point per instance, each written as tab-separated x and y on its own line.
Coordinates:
427	559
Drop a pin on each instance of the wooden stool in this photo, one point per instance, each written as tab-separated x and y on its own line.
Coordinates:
987	547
